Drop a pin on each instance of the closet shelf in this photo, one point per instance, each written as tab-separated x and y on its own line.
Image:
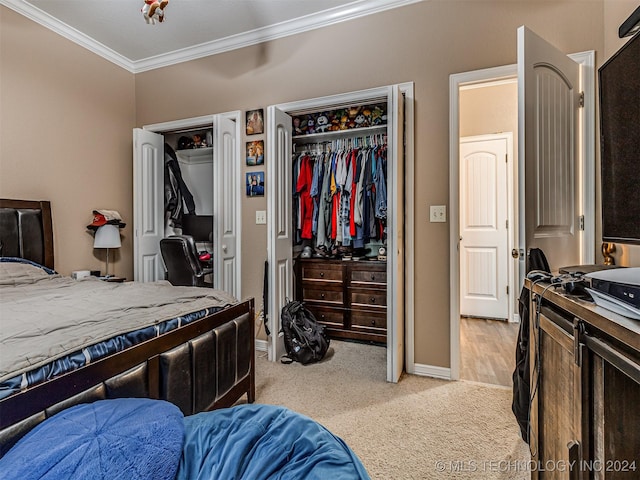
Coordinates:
195	155
338	134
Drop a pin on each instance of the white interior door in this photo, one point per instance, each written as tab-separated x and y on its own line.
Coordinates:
395	236
279	223
483	215
148	205
548	104
226	218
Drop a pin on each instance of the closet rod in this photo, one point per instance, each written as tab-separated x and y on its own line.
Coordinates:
359	141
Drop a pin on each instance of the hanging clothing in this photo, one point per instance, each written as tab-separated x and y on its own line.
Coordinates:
324	206
380	182
340	197
303	188
316	184
176	192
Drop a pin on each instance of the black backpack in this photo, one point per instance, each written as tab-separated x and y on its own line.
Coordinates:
305	340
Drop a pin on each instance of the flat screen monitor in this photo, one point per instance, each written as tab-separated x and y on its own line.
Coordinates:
620	144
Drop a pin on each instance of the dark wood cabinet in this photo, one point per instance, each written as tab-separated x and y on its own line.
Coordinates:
585	385
348	296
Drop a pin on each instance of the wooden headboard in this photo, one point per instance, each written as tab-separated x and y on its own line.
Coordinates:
26	230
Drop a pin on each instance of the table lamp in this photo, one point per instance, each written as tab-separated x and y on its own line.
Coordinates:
107	236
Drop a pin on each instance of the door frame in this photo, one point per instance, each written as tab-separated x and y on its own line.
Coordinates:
587	173
406	89
195	122
510	192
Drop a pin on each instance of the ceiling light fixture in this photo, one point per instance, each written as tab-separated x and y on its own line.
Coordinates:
153	10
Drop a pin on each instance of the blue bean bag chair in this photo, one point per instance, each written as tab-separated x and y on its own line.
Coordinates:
132	438
255	442
142	439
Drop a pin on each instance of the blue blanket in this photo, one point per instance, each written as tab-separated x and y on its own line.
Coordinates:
255	442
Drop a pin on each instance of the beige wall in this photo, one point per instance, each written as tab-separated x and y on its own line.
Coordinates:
490	109
65	136
88	115
423	43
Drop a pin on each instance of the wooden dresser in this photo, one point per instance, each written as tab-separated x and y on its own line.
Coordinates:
585	382
348	296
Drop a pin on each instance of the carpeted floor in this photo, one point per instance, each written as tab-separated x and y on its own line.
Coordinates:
420	428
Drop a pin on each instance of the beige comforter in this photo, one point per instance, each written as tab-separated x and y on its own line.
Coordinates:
44	317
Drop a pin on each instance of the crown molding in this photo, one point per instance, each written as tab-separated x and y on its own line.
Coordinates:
292	27
271	32
68	32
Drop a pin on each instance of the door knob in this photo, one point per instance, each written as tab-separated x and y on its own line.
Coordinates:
515	253
224	248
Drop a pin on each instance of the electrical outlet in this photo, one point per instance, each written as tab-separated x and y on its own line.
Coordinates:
438	213
261	217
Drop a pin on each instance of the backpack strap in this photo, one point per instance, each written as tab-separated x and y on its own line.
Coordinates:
286	359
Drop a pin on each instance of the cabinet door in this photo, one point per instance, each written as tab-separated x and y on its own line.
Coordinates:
616	416
558	373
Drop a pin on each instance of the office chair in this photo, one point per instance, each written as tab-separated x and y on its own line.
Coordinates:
181	261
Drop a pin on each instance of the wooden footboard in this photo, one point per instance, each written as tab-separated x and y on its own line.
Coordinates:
207	364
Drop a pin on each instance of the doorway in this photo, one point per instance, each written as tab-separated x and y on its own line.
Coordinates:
213	165
487	176
586	60
400	204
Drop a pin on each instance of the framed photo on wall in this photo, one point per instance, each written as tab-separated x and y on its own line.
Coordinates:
255	153
255	184
255	121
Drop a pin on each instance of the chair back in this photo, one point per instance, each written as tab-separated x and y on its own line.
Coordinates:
181	261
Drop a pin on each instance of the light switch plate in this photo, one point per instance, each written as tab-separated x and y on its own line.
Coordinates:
261	217
438	213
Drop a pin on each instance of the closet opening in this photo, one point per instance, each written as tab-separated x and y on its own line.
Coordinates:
340	218
336	223
181	187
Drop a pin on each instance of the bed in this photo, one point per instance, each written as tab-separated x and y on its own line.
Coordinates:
198	357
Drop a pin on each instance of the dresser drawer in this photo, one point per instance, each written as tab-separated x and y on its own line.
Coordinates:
378	276
311	292
369	298
330	272
331	317
368	320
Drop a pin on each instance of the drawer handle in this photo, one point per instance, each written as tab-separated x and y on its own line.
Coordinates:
373	322
321	274
373	277
322	295
373	299
322	317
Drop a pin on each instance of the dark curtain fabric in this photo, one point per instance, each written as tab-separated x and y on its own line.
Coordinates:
536	260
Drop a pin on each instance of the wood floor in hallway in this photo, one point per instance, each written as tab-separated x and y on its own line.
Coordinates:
488	349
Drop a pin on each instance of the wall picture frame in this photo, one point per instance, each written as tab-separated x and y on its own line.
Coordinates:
255	184
255	153
255	121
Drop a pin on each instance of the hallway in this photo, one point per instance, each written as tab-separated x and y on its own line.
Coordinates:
488	349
